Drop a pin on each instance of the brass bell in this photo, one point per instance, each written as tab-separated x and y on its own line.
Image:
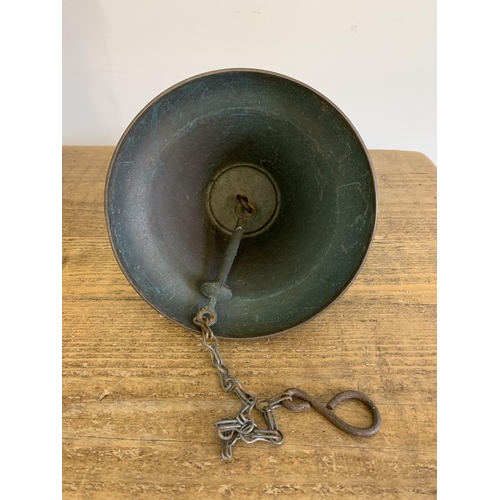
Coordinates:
171	200
243	201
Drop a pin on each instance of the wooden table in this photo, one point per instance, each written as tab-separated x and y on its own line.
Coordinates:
140	394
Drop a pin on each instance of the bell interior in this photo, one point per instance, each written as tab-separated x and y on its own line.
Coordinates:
162	178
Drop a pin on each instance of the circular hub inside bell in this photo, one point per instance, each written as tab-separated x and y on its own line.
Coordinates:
254	184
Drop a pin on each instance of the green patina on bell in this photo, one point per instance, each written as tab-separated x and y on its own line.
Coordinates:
171	200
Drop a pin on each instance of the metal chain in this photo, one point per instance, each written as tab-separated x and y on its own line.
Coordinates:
242	427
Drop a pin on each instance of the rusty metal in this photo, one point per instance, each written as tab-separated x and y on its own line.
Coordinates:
243	427
217	290
306	401
244	202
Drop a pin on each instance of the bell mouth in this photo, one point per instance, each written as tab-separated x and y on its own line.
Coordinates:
171	200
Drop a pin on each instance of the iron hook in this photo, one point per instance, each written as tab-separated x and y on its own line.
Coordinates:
307	401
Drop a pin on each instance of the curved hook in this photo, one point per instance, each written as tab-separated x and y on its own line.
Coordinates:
326	411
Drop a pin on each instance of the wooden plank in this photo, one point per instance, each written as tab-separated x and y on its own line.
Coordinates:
351	345
131	469
140	395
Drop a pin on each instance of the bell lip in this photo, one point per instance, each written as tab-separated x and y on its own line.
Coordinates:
242	70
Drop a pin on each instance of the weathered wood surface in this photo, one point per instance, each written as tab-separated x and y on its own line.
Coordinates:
140	395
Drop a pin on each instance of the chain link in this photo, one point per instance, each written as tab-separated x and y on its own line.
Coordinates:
242	427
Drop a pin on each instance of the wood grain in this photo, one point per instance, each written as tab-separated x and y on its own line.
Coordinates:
140	395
